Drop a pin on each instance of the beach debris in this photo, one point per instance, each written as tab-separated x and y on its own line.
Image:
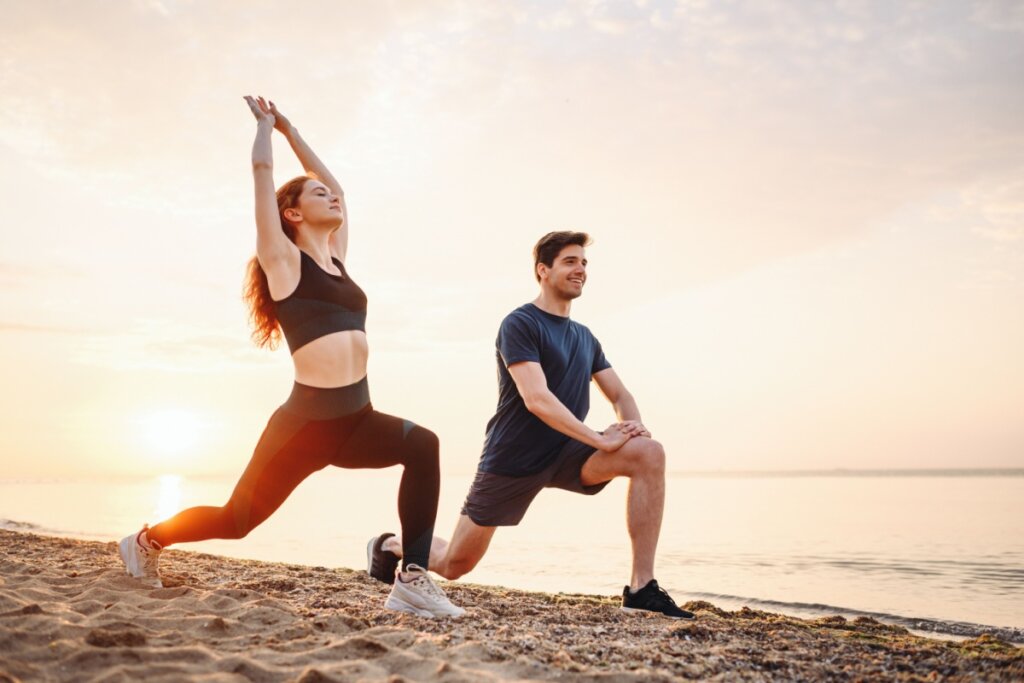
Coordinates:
115	636
277	622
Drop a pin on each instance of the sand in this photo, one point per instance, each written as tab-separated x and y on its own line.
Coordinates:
68	612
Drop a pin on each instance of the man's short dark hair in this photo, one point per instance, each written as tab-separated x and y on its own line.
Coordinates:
551	245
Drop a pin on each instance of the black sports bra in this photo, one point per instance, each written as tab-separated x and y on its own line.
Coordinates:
321	304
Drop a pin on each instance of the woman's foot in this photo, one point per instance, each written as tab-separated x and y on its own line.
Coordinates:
415	592
140	556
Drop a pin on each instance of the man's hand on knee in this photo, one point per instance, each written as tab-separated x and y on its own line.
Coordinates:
634	428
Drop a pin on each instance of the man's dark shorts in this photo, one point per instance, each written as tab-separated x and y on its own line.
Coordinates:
500	500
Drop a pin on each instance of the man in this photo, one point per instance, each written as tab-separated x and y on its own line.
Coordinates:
537	438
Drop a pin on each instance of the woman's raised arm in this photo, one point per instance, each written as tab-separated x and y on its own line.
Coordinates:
272	246
311	163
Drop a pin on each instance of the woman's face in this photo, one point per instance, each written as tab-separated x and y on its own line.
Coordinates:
319	206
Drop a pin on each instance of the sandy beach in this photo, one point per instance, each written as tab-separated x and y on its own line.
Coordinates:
68	612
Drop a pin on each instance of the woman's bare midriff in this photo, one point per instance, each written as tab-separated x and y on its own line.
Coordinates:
335	360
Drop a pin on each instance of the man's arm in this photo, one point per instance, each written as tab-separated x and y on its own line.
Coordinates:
533	387
620	398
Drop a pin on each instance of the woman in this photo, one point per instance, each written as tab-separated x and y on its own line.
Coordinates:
297	285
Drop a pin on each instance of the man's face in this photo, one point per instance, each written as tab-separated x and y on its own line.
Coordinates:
567	274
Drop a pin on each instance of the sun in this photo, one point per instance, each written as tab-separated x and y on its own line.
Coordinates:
170	432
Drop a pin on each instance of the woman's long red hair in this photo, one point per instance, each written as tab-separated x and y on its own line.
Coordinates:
265	329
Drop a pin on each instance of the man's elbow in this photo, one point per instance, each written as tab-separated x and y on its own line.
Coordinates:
534	402
262	165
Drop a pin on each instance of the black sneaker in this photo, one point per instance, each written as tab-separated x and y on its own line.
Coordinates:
381	564
653	598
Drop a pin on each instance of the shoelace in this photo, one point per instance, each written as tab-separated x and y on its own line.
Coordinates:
662	596
431	589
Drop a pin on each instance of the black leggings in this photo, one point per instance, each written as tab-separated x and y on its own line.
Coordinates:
313	429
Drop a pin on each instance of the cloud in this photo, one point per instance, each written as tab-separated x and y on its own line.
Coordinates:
999	15
170	347
17	328
614	17
155	6
405	316
557	20
774	126
113	91
1000	208
17	274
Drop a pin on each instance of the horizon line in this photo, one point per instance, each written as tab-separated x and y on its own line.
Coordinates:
836	472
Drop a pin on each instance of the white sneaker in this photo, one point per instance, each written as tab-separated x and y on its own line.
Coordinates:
419	595
140	556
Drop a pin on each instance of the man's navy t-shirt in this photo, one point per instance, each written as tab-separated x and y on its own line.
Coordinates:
518	443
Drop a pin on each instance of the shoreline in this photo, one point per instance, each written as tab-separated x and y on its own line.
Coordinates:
69	612
926	627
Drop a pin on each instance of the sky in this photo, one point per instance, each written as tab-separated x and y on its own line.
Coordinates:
808	220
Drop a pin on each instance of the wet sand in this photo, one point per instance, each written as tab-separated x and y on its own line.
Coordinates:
68	612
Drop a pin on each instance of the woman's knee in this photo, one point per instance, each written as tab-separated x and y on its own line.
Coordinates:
234	525
424	439
423	447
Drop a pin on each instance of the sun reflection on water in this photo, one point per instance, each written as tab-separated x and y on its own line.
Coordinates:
168	497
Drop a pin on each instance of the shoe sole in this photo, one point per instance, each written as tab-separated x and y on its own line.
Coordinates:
398	606
634	610
402	606
125	554
369	561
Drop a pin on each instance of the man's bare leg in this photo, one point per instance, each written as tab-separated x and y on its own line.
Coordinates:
642	460
455	558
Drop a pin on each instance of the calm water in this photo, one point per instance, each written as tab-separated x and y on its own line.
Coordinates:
936	553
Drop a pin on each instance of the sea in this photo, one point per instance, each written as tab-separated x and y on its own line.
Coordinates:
940	552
